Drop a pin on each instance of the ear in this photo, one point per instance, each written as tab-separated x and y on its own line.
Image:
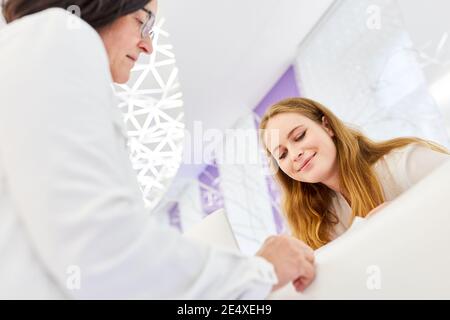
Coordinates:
327	127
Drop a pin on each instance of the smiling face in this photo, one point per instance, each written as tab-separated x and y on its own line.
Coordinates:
303	148
124	44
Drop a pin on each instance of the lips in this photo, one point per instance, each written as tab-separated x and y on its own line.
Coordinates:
306	161
132	58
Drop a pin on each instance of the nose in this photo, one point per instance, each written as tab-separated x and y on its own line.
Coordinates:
146	45
296	156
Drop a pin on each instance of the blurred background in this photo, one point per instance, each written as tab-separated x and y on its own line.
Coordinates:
380	65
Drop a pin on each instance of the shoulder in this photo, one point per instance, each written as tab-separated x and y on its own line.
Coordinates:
60	19
45	15
53	22
63	68
50	55
401	153
409	164
53	37
413	152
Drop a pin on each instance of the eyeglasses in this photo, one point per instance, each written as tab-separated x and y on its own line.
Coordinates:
147	27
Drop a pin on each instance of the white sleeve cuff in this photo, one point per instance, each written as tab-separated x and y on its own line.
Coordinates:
264	278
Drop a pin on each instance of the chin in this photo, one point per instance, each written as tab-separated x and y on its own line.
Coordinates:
308	178
121	80
121	77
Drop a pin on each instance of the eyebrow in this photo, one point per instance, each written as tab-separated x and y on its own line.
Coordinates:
142	11
148	11
288	136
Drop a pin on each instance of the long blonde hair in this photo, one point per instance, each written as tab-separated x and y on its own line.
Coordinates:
307	205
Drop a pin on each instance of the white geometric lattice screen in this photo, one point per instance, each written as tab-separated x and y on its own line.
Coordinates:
152	106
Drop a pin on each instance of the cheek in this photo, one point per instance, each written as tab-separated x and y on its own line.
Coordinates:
327	157
285	167
323	143
123	39
330	149
120	50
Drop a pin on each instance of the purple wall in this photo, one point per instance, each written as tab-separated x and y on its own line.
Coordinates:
285	87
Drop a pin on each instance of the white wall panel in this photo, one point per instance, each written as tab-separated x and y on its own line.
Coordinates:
361	63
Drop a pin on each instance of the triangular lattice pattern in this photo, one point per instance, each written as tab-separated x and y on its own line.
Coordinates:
152	106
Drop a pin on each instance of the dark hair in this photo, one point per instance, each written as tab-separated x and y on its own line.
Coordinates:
98	13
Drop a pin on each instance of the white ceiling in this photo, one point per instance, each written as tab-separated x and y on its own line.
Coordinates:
231	52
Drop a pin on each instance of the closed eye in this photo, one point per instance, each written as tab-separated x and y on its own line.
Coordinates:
300	137
140	21
282	156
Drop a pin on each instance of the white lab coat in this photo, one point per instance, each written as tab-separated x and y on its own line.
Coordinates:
68	194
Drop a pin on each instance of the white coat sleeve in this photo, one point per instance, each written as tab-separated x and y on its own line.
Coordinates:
71	181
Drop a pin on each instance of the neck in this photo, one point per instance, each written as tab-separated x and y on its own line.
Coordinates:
334	183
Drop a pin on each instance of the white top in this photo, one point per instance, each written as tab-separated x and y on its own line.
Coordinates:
397	172
69	200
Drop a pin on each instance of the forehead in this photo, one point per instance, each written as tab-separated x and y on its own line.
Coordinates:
283	120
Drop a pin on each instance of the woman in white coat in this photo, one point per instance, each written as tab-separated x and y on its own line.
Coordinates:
72	219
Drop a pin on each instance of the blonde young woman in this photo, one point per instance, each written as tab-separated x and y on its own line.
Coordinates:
330	173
